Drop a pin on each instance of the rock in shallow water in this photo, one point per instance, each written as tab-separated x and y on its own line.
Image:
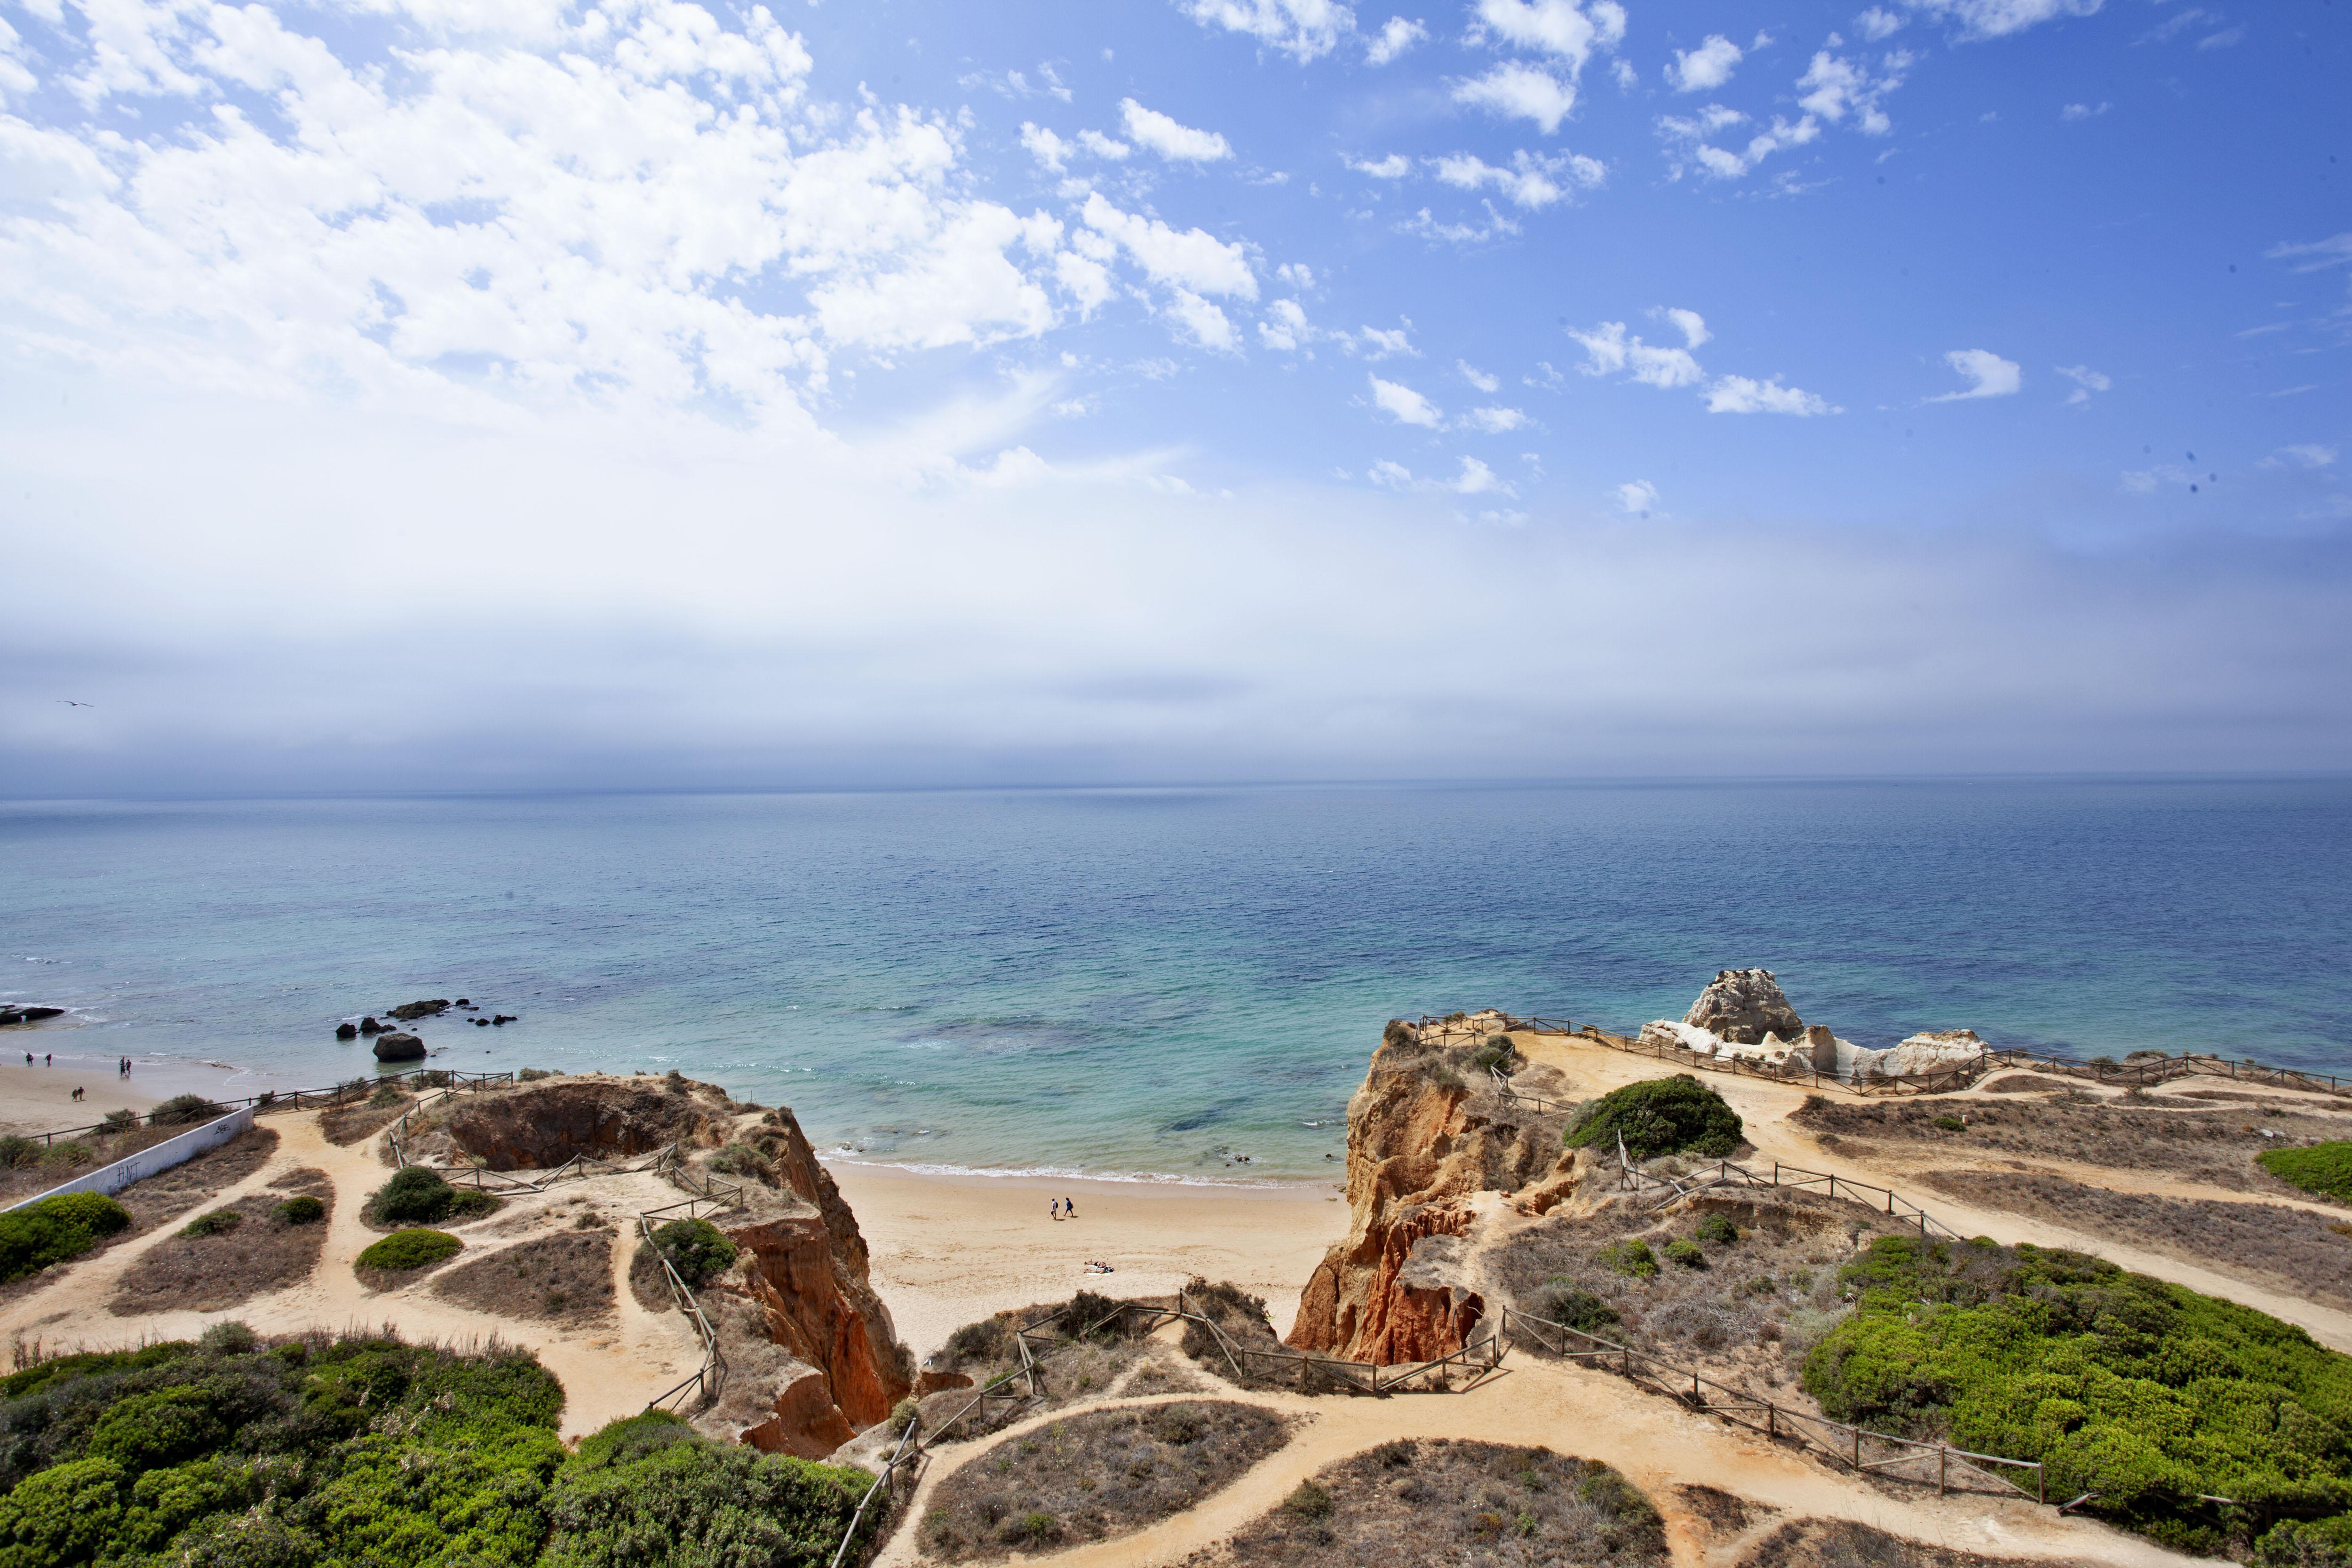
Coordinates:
399	1047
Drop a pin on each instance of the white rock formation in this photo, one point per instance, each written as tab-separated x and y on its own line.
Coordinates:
1812	1050
1928	1052
1745	1005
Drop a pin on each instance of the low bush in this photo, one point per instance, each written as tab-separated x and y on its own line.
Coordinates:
219	1222
1308	1502
55	1229
407	1249
696	1248
1948	1123
985	1340
16	1153
1717	1230
2143	1392
185	1110
532	1075
303	1210
1632	1257
417	1194
1686	1253
1674	1115
2322	1168
1565	1305
68	1154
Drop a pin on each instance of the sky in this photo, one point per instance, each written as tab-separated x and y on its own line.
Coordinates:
408	395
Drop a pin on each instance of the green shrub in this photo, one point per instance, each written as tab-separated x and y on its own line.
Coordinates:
1632	1257
1308	1502
1716	1229
2322	1168
902	1415
121	1120
416	1194
1948	1123
68	1154
661	1497
219	1222
1581	1309
405	1249
983	1340
2143	1392
53	1229
16	1153
302	1210
388	1093
696	1248
1659	1116
185	1110
1686	1253
532	1075
632	1437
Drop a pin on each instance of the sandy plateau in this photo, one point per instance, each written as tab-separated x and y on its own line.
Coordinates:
853	1278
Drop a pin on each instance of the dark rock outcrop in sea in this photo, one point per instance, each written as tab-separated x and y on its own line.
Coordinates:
409	1012
399	1047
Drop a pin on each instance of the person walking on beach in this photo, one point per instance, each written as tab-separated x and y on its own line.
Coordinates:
1069	1208
1054	1207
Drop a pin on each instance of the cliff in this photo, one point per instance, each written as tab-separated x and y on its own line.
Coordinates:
1426	1134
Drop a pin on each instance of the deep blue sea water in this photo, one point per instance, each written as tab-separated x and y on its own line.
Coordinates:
1149	980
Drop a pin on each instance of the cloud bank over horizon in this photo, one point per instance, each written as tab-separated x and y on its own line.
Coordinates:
642	395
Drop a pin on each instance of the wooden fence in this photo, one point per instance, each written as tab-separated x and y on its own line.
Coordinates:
1855	1448
269	1102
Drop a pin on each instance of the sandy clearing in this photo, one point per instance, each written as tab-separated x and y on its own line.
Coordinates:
1654	1441
949	1250
607	1372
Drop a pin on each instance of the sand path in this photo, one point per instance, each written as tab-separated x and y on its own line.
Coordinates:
609	1369
1654	1441
1765	1107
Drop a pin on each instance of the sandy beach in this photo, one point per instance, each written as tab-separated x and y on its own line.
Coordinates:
40	1099
948	1249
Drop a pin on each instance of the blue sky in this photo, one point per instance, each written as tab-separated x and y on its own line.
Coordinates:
404	394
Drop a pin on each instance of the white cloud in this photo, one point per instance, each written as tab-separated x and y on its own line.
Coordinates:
2317	255
1497	227
1171	140
1496	421
1285	327
1193	259
1740	394
1395	166
1688	146
1044	146
1608	350
1477	479
1304	29
2075	111
1086	280
1202	322
1987	373
1626	77
1403	405
1692	325
2086	382
1298	275
1531	180
1520	91
1705	67
1102	146
1834	88
1998	18
2308	455
1637	498
1545	377
2222	39
1394	39
1390	474
1380	343
1557	27
1476	377
1877	23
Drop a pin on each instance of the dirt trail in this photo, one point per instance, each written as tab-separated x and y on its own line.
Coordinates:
1765	1107
608	1369
1654	1441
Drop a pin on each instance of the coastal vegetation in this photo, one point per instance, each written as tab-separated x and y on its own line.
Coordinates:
233	1449
230	1255
2144	1393
1677	1115
1429	1501
696	1248
2322	1168
1100	1474
417	1194
404	1251
53	1229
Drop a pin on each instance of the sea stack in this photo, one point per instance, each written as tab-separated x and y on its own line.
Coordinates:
399	1046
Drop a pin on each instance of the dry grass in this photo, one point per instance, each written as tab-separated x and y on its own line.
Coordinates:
210	1273
2028	1083
348	1124
1748	1317
566	1277
1725	1513
58	1163
2289	1249
2216	1146
1433	1503
1091	1476
1841	1543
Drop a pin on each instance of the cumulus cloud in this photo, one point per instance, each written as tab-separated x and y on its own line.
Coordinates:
1285	327
1834	88
1103	146
1609	349
1690	324
2086	382
2306	455
1403	405
1476	377
1636	498
1395	166
1044	146
1877	25
1193	258
1303	29
1705	67
1496	421
2075	111
1531	179
1987	373
1690	144
1517	91
1173	141
1201	321
1740	394
1394	38
1566	31
1978	20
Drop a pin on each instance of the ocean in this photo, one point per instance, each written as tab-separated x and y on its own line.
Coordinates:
1153	983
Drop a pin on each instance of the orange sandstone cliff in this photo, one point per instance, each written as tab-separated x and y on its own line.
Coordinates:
1426	1134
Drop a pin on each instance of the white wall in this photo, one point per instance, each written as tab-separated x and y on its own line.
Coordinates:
178	1150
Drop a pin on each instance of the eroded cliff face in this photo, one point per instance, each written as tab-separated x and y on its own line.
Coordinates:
804	1269
1426	1134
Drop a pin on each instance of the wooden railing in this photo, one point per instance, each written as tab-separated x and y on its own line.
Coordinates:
1856	1448
271	1101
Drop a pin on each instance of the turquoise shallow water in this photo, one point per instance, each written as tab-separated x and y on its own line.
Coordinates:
1121	982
